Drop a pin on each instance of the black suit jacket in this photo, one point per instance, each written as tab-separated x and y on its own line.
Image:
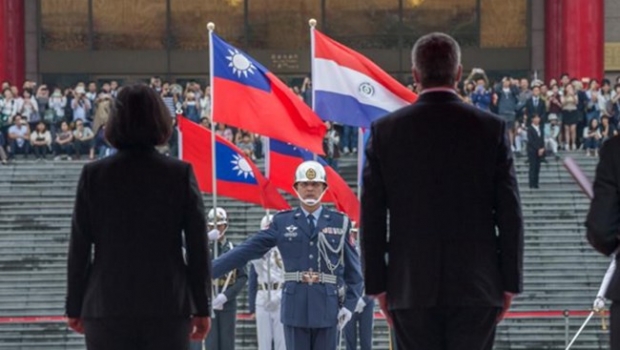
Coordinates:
603	220
132	209
540	109
444	172
534	140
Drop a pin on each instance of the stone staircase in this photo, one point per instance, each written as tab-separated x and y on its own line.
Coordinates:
562	272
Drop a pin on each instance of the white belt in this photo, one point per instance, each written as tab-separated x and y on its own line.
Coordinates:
310	277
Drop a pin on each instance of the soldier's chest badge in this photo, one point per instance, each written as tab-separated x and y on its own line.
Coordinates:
333	231
291	232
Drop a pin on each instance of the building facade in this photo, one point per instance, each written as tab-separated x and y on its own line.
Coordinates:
65	41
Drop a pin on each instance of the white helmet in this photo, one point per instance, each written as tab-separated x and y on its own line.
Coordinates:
310	171
266	222
221	218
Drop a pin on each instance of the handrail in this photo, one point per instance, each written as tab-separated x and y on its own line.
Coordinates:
378	315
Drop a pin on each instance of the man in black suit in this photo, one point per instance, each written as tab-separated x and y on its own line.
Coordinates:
535	149
448	269
137	210
603	223
536	105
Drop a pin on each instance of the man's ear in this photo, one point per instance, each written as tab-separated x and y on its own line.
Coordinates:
459	73
416	75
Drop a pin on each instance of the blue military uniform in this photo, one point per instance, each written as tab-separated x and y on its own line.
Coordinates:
361	324
322	275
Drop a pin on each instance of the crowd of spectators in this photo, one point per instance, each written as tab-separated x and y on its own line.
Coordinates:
66	124
576	114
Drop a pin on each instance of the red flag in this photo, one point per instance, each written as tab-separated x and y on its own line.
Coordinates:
284	159
237	176
248	96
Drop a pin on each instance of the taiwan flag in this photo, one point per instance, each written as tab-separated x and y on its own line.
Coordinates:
351	89
246	95
283	161
237	176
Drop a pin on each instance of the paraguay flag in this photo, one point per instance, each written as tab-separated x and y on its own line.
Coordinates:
351	89
237	177
283	161
246	95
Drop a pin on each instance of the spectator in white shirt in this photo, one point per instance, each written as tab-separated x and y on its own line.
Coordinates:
19	137
28	107
551	132
205	104
41	141
83	140
8	109
81	105
57	104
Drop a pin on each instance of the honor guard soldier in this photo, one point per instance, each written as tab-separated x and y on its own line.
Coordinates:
222	334
362	320
265	295
322	279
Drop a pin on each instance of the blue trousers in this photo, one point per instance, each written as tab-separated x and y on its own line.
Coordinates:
591	143
360	325
349	137
15	149
310	338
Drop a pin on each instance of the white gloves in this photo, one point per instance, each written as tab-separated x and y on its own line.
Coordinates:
219	301
344	316
599	304
213	235
359	307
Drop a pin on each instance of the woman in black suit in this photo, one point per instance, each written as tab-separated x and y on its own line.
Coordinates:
136	211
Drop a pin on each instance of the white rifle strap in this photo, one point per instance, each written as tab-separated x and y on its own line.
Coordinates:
269	255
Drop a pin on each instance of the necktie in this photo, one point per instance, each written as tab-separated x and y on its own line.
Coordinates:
535	102
311	222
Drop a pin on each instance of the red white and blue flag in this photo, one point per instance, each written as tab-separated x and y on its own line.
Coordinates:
351	89
237	177
246	95
283	161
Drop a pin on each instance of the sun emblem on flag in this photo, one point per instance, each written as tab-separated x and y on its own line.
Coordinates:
242	166
239	63
366	89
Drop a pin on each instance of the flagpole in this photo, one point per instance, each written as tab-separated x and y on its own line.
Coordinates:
266	150
180	135
312	23
210	28
360	158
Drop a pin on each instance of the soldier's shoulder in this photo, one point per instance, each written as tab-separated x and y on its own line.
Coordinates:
283	214
336	215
